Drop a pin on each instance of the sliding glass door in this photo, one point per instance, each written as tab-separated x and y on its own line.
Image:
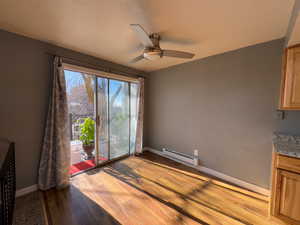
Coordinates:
119	118
103	118
134	97
82	126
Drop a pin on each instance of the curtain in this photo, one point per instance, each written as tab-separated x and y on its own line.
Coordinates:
140	120
55	156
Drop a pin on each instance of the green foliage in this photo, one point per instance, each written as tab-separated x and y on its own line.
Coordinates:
87	131
120	118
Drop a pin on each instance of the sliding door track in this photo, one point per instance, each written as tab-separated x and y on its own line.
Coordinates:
102	164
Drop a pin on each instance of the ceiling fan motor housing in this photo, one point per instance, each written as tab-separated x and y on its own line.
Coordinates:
152	53
155	38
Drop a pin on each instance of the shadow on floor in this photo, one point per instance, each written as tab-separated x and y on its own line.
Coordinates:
163	162
195	174
76	208
127	175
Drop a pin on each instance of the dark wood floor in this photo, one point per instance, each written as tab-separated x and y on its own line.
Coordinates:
151	190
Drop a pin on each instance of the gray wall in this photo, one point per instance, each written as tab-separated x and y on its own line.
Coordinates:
224	106
25	82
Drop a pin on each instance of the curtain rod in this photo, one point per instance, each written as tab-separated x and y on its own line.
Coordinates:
104	69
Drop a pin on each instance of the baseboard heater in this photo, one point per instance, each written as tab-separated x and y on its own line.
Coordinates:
193	160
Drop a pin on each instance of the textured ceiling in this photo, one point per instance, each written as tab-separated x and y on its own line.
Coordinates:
295	35
101	27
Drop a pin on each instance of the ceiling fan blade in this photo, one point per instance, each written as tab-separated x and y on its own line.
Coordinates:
136	59
138	48
177	54
142	35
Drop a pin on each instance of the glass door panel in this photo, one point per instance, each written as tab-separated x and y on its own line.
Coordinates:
118	118
133	115
103	129
80	96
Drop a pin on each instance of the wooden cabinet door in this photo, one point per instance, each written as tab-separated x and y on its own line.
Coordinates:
288	195
290	96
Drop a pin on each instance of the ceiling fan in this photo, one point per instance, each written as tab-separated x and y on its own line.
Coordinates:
152	48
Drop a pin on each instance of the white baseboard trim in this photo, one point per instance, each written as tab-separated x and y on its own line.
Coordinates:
181	157
26	190
233	180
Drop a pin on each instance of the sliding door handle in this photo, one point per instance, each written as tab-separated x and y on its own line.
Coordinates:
98	120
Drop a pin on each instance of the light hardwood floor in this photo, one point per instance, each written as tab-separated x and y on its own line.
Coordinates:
151	190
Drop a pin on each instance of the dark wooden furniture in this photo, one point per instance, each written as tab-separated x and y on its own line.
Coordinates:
7	184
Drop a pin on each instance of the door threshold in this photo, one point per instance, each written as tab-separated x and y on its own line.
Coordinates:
102	164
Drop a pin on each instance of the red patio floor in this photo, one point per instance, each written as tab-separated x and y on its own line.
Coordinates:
84	165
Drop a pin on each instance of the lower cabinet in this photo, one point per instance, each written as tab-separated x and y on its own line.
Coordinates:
285	199
289	194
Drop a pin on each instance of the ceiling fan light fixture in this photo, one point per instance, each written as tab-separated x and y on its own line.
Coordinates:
152	49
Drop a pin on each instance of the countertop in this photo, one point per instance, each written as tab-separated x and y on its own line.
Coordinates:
288	145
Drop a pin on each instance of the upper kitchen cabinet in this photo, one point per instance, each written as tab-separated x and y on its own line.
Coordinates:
290	86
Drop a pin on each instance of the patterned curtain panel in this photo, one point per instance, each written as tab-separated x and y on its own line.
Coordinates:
55	157
140	121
